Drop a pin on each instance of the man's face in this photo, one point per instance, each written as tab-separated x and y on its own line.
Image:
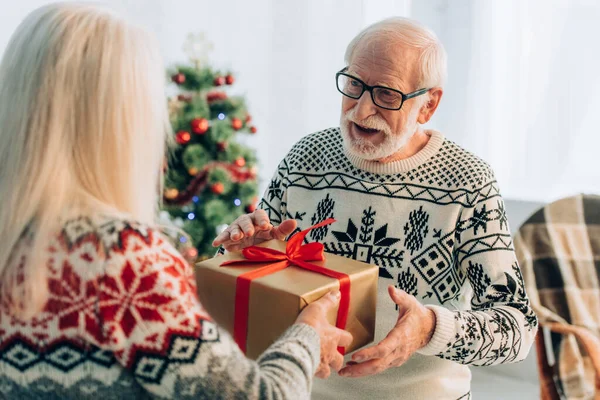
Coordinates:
369	131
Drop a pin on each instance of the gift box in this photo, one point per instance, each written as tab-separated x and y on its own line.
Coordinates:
257	294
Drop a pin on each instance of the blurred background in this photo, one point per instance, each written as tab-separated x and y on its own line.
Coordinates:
523	78
523	89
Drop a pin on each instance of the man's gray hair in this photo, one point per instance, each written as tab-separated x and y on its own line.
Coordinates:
433	59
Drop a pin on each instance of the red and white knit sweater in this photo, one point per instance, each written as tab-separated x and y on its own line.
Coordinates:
123	321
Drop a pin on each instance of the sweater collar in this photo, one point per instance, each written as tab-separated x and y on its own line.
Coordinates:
434	144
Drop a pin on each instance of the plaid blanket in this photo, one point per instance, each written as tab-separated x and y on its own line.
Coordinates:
559	251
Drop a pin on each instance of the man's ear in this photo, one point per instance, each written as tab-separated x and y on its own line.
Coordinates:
428	109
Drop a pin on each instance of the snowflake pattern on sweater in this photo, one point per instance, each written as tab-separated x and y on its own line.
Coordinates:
437	230
123	320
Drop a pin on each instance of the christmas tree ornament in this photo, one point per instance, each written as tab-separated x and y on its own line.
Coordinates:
185	98
178	78
216	96
236	124
222	146
229	79
248	118
171	193
250	208
240	162
193	171
217	188
253	129
183	137
219	81
199	125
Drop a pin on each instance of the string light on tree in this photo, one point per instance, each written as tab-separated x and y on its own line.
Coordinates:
171	193
237	202
221	116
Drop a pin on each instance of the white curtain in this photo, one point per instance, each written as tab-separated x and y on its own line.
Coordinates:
523	89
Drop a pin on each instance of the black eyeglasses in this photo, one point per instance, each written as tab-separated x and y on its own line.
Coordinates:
384	97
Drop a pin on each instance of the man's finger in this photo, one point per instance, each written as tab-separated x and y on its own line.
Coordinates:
221	238
231	247
370	367
246	225
284	229
381	350
400	297
261	219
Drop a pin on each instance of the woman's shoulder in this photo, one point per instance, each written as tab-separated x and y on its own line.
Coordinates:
106	239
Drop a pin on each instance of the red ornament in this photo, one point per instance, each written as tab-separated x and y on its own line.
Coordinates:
199	125
183	97
178	78
183	137
219	81
222	146
216	96
217	188
191	253
250	208
240	162
253	129
248	118
236	124
229	79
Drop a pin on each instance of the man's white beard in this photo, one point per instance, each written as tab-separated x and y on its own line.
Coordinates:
392	143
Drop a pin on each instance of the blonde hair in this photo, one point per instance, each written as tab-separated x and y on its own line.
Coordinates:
83	122
433	59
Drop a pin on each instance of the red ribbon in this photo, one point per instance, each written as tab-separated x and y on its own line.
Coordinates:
296	254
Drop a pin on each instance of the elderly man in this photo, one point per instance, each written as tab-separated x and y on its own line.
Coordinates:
424	210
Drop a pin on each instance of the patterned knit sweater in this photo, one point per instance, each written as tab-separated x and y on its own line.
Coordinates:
123	321
436	226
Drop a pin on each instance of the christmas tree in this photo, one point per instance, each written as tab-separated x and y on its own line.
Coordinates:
211	176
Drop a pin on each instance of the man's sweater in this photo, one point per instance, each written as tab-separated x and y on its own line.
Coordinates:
436	226
123	321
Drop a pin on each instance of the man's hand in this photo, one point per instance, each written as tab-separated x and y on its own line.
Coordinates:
252	229
414	330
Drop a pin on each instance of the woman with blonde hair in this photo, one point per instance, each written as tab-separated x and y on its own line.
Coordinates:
94	302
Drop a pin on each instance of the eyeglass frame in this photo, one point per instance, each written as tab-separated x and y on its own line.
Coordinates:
368	88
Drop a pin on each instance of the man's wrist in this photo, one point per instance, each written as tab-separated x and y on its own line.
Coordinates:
431	324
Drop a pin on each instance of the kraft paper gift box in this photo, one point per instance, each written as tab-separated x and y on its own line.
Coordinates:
258	297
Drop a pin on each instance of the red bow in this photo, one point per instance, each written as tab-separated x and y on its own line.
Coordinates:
296	254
